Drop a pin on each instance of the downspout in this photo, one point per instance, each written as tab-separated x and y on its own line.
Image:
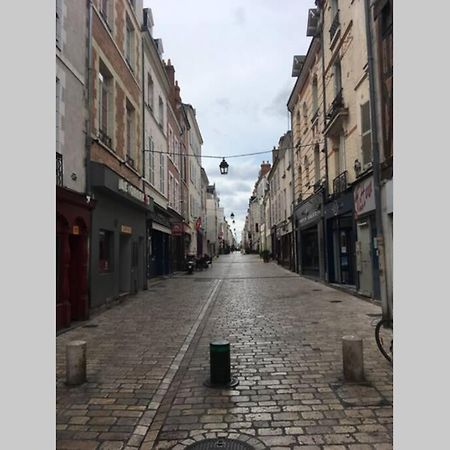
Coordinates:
293	240
143	163
325	150
88	144
387	313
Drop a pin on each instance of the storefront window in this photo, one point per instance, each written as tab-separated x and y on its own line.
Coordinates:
106	243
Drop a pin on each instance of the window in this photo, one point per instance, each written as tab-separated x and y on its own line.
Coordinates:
161	112
129	44
171	193
105	104
317	163
59	17
150	91
151	161
334	7
366	134
106	10
58	114
106	246
337	78
315	101
306	165
298	121
162	173
305	116
177	196
130	134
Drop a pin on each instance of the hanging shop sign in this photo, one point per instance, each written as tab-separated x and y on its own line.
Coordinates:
364	197
177	229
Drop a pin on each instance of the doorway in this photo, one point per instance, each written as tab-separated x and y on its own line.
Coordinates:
365	258
124	263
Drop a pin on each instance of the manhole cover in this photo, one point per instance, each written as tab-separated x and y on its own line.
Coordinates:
226	444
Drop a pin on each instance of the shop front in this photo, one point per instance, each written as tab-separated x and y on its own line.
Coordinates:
73	225
310	242
340	236
118	237
366	243
159	233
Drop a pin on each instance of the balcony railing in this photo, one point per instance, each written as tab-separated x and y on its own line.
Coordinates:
103	137
336	105
59	169
340	183
334	26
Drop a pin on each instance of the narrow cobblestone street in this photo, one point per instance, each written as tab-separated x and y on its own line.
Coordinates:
147	359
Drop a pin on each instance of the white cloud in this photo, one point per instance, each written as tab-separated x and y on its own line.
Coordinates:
234	66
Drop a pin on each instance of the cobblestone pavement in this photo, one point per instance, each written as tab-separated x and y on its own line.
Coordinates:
149	356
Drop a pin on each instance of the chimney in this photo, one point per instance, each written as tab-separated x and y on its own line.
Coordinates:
265	167
170	70
177	93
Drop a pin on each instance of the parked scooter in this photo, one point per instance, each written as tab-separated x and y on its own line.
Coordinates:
190	264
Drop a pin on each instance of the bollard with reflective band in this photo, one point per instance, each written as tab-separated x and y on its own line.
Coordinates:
220	365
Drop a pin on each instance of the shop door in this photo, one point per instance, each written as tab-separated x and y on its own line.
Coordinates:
134	266
364	256
124	263
310	252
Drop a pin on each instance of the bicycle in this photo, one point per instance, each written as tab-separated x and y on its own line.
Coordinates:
384	337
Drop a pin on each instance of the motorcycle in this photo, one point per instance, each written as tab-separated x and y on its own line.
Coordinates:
190	265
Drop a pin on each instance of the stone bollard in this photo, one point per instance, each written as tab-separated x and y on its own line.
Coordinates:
76	362
353	358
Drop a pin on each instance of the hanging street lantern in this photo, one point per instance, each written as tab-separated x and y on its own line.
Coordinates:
232	215
223	167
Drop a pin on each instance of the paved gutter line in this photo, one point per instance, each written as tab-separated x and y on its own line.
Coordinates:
144	424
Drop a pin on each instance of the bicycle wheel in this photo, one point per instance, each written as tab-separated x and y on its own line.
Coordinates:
385	338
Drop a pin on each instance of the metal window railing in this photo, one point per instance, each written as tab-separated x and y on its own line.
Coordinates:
340	183
59	169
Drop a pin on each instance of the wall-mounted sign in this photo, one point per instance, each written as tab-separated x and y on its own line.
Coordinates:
134	192
177	229
76	230
125	229
364	197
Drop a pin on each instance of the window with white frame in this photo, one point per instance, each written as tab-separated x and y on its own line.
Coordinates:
150	88
162	173
177	195
129	43
59	19
105	104
171	195
130	142
161	112
171	144
315	101
316	164
366	134
106	11
337	78
306	166
151	161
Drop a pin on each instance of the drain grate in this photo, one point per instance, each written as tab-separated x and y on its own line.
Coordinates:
91	325
335	301
221	443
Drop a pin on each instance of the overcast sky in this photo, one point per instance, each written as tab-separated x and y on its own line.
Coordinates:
233	62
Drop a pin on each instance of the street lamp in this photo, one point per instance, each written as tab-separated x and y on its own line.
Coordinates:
223	167
232	215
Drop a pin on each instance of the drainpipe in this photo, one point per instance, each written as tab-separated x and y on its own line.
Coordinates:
387	313
89	102
325	150
294	253
88	144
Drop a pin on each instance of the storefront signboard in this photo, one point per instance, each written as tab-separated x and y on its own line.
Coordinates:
364	197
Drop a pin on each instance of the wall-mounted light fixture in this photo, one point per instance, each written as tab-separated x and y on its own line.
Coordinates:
357	167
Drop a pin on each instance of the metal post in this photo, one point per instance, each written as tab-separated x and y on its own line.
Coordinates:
220	365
